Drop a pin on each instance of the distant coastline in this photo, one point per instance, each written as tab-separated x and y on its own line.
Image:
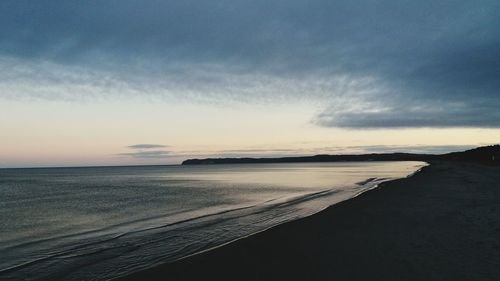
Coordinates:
484	154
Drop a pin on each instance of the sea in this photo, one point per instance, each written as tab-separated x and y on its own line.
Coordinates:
100	223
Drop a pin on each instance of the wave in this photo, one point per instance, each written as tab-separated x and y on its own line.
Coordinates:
103	243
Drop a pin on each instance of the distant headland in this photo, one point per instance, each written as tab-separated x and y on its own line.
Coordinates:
484	154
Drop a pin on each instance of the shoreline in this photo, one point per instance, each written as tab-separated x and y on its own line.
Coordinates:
390	232
171	242
137	275
376	186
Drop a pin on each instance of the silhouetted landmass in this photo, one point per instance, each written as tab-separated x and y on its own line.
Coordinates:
481	154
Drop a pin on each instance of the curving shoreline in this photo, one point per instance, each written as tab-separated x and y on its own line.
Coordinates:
281	193
442	223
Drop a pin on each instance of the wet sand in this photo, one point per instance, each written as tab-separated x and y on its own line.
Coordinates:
443	223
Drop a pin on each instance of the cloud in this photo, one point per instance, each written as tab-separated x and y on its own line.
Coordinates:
429	149
148	154
372	64
146	146
427	113
147	151
424	149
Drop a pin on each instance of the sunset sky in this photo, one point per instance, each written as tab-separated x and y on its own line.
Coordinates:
156	82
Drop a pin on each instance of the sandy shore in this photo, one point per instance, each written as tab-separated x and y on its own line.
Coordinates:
440	224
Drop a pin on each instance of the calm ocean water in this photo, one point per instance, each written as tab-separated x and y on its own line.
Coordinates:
101	223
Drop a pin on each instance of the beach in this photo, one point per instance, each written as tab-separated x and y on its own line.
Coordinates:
443	223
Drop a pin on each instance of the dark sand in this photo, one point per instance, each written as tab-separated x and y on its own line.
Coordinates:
440	224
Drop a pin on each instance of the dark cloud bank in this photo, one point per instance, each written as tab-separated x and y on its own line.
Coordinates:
429	63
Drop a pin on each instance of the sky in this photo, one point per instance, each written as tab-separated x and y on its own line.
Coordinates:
134	82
